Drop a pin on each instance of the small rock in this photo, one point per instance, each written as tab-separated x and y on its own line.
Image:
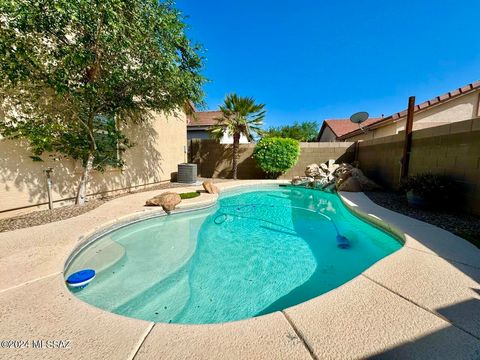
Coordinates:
324	169
312	170
167	201
210	187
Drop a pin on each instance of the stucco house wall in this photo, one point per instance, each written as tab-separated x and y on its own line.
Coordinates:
327	135
462	108
160	145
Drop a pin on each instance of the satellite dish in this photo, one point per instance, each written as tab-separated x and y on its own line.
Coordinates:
359	117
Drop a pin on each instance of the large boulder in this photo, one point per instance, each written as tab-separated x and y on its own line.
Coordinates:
312	170
365	183
167	201
350	184
210	187
343	171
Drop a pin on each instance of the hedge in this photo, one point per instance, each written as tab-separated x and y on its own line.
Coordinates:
276	155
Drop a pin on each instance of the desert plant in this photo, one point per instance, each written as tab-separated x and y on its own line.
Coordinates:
240	116
433	188
276	155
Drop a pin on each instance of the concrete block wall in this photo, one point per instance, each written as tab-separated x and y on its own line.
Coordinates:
452	150
215	160
320	152
380	159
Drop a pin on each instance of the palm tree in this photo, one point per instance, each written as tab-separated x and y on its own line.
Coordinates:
240	116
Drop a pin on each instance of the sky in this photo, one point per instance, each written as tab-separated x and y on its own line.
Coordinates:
314	60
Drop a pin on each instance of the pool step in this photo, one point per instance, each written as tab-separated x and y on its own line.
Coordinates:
161	302
150	261
99	256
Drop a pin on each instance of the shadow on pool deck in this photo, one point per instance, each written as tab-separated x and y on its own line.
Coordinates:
432	245
439	341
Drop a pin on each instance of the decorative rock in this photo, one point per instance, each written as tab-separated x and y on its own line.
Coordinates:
329	176
365	183
297	180
301	180
324	168
319	183
343	168
333	167
350	184
167	201
210	187
330	187
312	170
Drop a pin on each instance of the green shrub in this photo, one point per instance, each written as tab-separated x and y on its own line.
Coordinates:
189	195
276	155
434	188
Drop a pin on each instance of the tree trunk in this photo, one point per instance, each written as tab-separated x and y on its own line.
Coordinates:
82	187
236	142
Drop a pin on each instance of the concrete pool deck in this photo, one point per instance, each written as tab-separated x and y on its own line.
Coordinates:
422	301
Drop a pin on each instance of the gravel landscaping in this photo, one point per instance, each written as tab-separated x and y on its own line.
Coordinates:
462	224
66	212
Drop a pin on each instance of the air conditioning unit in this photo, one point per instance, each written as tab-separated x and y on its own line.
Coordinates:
187	173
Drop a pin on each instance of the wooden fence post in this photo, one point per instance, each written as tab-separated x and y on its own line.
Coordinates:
407	146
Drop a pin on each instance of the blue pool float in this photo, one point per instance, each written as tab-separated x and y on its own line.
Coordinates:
81	278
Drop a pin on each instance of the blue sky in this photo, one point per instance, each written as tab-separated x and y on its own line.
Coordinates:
312	60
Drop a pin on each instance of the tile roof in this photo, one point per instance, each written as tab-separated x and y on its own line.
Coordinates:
341	127
424	105
204	118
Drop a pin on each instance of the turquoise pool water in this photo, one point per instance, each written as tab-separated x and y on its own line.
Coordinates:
257	251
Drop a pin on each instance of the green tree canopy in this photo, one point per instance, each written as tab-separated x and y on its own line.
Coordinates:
74	71
306	131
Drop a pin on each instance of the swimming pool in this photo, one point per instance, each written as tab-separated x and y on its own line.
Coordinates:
258	250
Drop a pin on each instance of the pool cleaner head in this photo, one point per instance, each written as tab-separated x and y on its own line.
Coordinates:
80	279
343	242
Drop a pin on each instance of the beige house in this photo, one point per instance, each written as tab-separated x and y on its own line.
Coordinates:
455	106
159	146
200	124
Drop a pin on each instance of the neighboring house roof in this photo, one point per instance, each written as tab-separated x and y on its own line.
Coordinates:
420	107
341	127
203	118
